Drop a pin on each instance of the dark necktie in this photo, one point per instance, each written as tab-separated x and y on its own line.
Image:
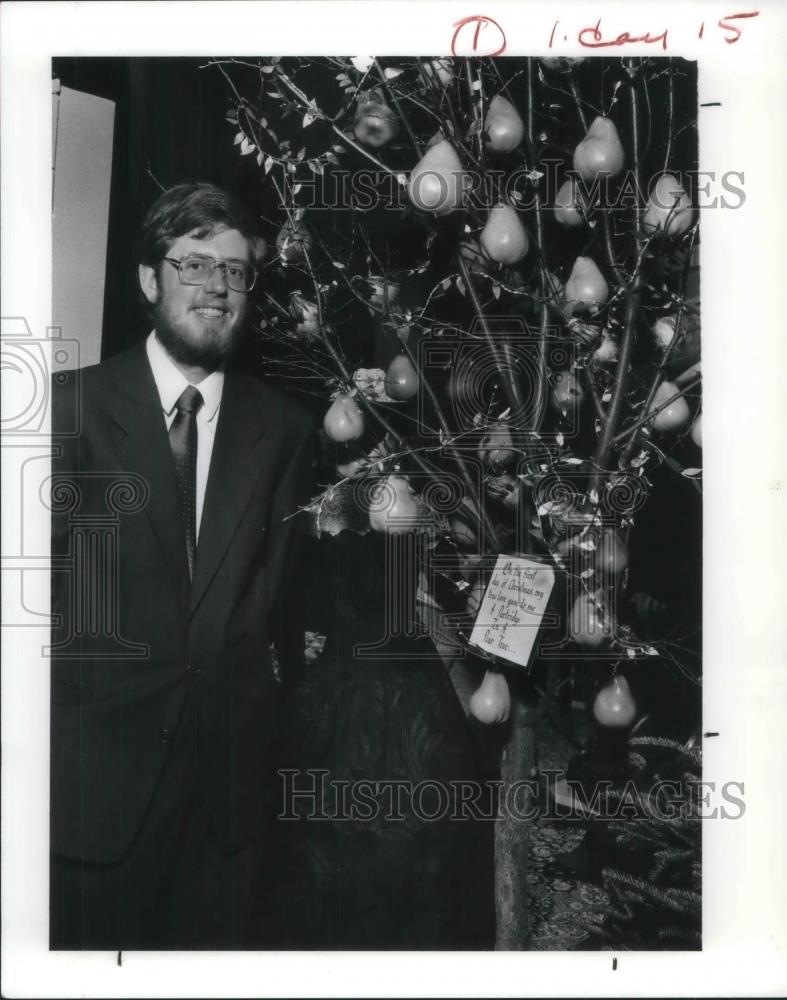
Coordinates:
183	441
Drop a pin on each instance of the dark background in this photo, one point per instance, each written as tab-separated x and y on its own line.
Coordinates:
168	123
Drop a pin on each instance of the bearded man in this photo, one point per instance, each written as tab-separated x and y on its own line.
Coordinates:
164	698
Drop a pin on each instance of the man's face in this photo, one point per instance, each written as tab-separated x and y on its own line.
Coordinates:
197	323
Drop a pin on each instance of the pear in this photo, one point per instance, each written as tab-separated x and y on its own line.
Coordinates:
668	208
566	211
437	181
696	431
343	421
393	508
503	126
504	239
588	624
601	153
611	555
401	379
673	417
614	705
586	288
491	703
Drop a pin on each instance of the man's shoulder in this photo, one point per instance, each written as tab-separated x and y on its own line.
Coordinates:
272	402
91	389
94	377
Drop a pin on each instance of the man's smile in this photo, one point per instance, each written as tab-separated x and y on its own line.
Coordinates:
210	312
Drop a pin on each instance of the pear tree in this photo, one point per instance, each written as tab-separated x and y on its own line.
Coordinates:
483	272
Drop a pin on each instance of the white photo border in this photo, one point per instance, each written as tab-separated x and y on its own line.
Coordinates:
745	449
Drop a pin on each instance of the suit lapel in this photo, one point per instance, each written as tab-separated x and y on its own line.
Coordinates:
142	446
237	461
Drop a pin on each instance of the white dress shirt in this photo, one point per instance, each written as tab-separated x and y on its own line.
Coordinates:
170	383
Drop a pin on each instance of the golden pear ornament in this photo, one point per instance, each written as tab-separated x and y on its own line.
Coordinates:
437	181
503	126
504	239
601	153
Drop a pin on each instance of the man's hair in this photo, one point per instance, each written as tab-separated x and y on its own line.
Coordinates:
200	210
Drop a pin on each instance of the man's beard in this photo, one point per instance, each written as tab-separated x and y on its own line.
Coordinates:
208	352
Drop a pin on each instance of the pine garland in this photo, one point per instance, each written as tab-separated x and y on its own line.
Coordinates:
655	891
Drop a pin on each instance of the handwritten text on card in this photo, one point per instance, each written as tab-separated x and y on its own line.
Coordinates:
513	608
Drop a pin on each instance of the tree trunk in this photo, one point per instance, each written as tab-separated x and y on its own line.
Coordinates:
512	834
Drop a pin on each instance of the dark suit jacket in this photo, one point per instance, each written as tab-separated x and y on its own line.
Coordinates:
134	640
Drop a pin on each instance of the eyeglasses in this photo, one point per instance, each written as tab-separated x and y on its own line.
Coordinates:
197	268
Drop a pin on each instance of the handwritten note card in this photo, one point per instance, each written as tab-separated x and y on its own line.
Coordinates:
513	608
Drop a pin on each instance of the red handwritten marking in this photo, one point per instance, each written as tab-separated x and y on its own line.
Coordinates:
624	38
480	21
731	27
